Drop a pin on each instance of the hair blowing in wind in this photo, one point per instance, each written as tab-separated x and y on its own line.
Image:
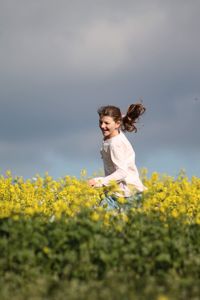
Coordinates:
132	117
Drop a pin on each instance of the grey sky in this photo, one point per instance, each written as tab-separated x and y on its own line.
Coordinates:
61	60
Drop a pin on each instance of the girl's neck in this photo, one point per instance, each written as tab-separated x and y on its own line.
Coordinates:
112	136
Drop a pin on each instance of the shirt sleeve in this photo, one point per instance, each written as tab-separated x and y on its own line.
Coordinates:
119	158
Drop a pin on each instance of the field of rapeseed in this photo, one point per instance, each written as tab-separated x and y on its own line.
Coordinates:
56	242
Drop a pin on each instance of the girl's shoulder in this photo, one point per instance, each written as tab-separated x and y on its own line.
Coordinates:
119	140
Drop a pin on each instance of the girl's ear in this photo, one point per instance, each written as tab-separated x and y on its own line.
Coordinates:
118	123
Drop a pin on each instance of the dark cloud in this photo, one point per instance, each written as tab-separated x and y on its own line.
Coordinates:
61	60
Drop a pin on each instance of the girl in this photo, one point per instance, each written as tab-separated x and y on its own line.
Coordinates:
118	154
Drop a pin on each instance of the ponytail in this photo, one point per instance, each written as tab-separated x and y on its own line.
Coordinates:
132	116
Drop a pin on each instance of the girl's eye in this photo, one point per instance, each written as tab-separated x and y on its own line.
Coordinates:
101	122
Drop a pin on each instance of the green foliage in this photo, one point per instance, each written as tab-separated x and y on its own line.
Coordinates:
78	258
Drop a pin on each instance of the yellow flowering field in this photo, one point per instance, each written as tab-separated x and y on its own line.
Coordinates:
178	198
55	236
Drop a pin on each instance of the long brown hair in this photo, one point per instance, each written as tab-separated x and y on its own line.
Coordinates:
127	121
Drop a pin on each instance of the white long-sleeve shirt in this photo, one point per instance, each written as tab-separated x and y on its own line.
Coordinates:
119	165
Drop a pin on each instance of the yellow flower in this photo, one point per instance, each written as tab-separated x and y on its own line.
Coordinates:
95	216
46	250
175	213
162	297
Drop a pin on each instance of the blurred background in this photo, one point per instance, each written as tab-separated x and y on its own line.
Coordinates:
61	60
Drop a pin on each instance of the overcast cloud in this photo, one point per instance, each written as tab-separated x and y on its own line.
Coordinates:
61	60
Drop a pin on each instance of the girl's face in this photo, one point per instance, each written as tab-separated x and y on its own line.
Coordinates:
109	127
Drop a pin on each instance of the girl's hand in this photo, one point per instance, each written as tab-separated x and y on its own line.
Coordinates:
91	182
